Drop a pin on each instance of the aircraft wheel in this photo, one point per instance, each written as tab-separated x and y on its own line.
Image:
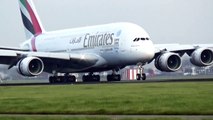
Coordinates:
143	76
91	78
96	78
85	78
61	79
117	77
138	77
51	80
70	79
113	78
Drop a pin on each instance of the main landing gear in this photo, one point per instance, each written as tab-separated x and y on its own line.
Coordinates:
62	79
114	76
96	78
85	78
91	78
141	75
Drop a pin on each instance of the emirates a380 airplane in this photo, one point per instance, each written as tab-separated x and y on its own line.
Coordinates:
93	49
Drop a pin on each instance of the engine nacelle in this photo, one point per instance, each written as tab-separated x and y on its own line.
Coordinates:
202	57
168	62
30	66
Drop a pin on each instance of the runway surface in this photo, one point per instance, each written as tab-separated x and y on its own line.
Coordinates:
184	117
118	82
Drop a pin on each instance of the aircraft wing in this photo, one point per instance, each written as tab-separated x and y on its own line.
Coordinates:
12	57
168	56
180	48
7	56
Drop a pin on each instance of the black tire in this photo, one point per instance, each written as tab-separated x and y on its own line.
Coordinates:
109	77
97	78
113	78
84	78
138	77
51	81
61	79
117	78
70	79
143	76
91	78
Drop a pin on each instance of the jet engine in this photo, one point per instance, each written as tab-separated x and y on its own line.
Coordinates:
168	62
202	57
30	66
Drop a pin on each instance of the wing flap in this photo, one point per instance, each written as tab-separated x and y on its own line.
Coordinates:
48	55
7	53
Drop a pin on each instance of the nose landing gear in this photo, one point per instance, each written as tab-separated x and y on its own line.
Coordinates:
141	75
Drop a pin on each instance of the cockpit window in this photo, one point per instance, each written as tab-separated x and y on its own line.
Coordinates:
138	39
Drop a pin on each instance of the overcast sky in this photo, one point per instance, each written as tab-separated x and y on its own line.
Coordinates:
167	21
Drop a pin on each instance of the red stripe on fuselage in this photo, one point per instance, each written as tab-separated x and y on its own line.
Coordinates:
35	22
33	44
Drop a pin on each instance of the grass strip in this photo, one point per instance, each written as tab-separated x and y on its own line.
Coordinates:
187	98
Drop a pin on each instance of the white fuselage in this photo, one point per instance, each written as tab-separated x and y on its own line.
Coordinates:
117	44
